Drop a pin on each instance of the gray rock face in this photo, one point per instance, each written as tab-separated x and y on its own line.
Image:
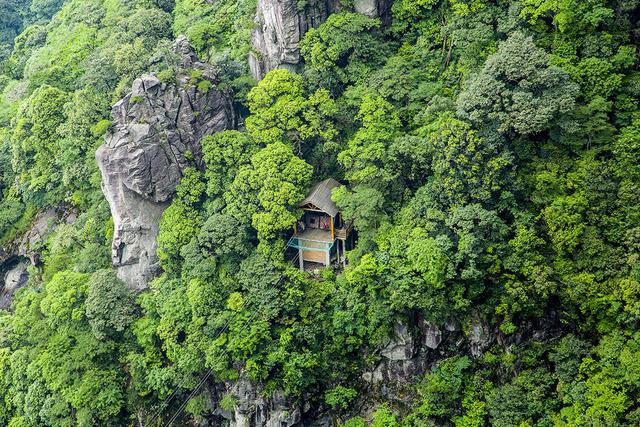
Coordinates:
280	26
155	135
373	8
15	278
24	250
402	346
480	336
252	409
432	335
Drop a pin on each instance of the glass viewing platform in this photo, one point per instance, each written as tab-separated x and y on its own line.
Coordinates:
312	239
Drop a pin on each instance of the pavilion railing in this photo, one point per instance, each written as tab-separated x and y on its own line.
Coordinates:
309	244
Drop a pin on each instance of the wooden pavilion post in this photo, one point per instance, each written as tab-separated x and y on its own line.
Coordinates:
333	237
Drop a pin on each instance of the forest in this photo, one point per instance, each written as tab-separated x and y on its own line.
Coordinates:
489	152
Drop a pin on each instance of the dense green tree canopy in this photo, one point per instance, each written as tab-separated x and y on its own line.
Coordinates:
267	191
489	153
517	91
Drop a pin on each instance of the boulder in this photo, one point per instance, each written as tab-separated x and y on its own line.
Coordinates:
401	346
155	135
15	278
432	335
253	409
374	9
480	336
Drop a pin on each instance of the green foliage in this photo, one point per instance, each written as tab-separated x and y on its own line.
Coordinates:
35	142
11	23
383	417
366	154
216	28
109	305
362	205
527	399
266	193
489	152
408	14
13	215
181	221
61	373
439	391
343	50
59	62
281	113
569	15
339	396
224	153
355	422
223	235
467	169
517	91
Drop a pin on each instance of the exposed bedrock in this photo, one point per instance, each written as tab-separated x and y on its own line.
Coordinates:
155	135
281	25
14	276
25	250
253	409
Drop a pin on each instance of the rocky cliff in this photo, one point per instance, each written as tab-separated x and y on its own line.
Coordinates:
155	135
281	25
25	250
414	347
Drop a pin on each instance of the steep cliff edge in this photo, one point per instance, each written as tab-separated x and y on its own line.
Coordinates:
155	135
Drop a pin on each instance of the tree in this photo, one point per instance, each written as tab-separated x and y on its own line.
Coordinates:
606	385
67	376
528	398
223	154
43	10
573	16
479	235
409	15
467	168
214	28
364	206
181	221
25	44
566	223
110	306
59	62
10	25
342	51
626	150
35	143
366	155
281	113
222	235
439	391
517	91
384	417
267	192
83	111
